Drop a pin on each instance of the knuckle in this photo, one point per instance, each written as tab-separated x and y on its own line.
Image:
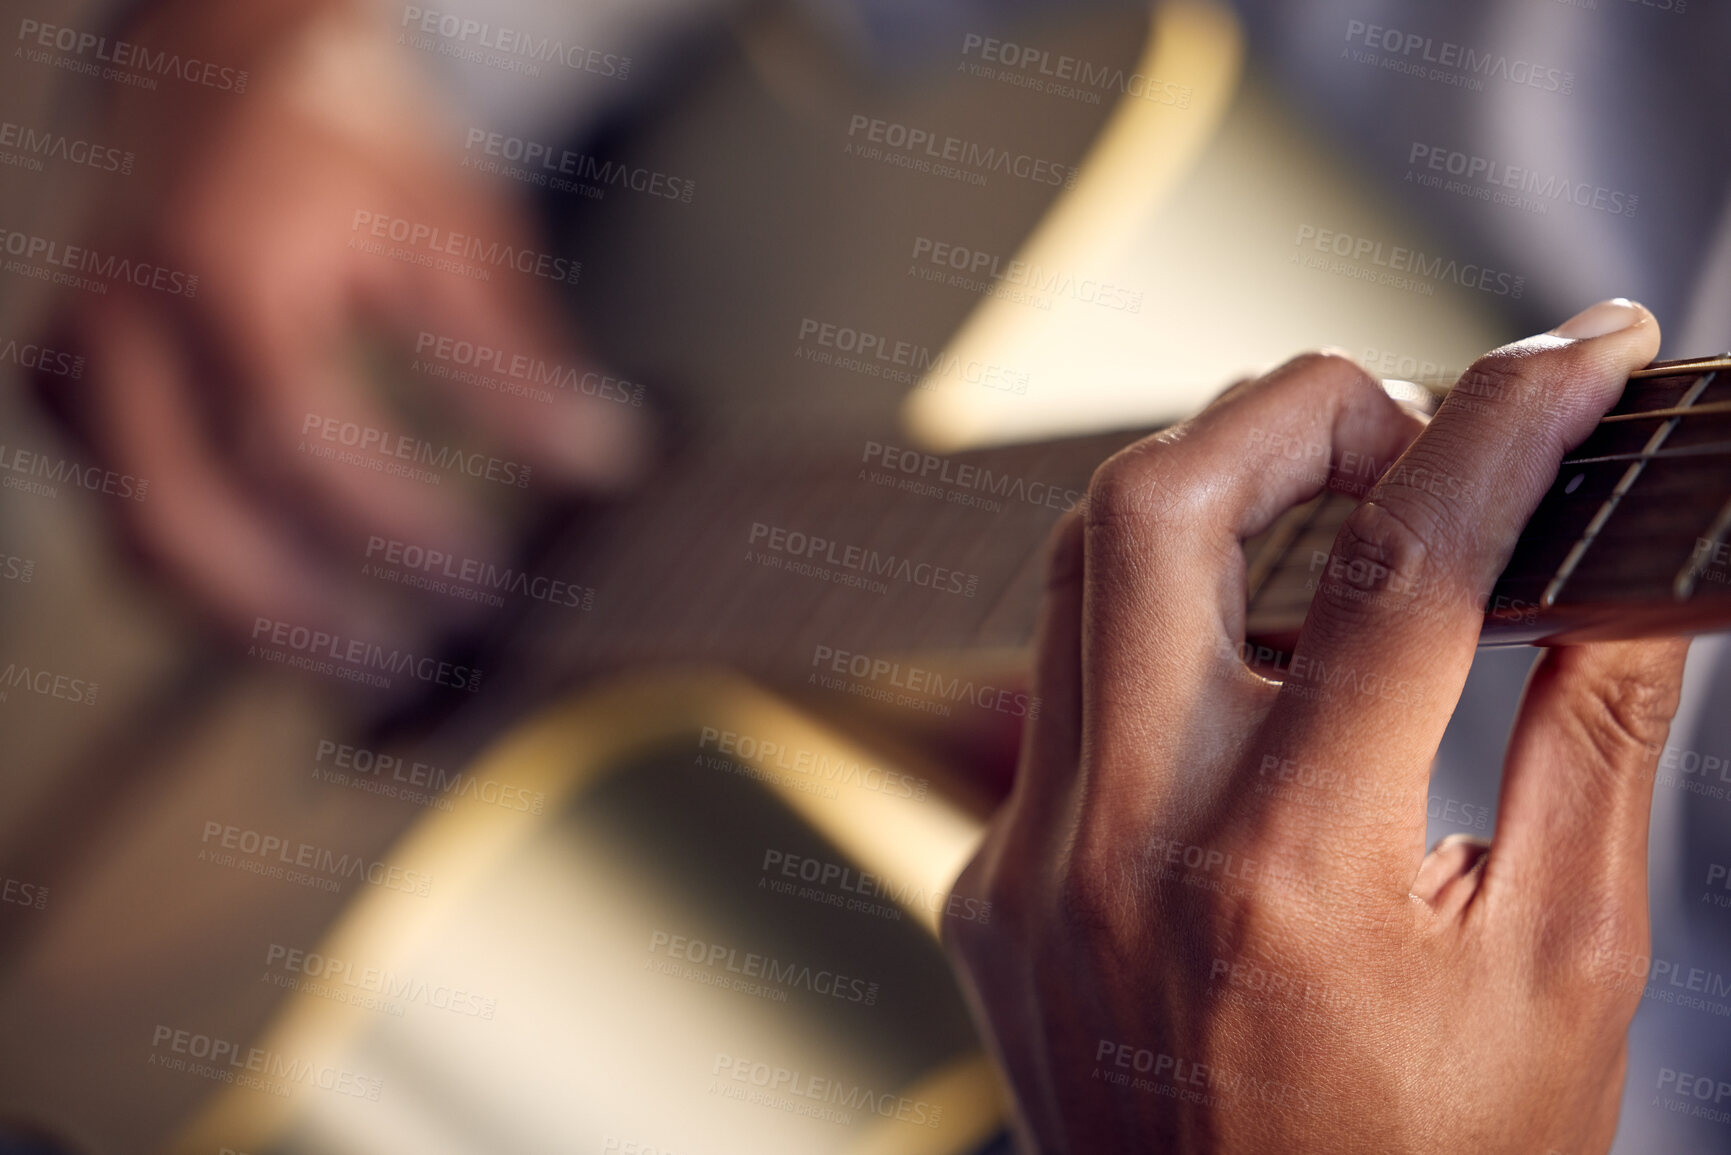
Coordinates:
1597	937
1126	486
1326	372
1626	719
1383	552
1329	362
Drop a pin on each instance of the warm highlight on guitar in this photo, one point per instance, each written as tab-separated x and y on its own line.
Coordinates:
865	577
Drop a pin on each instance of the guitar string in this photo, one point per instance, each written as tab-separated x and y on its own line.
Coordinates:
1685	581
1627	482
1677	411
1709	449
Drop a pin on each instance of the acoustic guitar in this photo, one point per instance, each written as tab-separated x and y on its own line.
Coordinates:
1629	541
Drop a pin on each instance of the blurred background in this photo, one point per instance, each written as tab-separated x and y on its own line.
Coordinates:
520	523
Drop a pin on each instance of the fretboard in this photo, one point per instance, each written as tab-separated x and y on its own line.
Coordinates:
1630	540
716	561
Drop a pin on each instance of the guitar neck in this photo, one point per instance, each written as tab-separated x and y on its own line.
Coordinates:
767	563
1630	540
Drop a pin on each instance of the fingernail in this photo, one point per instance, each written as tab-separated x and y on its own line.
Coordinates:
1598	320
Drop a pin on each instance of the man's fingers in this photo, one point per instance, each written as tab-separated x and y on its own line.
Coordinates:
1052	738
585	426
1448	876
194	520
1164	586
1395	620
322	441
1578	781
1012	866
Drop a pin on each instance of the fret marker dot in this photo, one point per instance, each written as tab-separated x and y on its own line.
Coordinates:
1574	483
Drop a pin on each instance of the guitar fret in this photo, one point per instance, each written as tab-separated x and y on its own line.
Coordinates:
1627	482
1687	578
